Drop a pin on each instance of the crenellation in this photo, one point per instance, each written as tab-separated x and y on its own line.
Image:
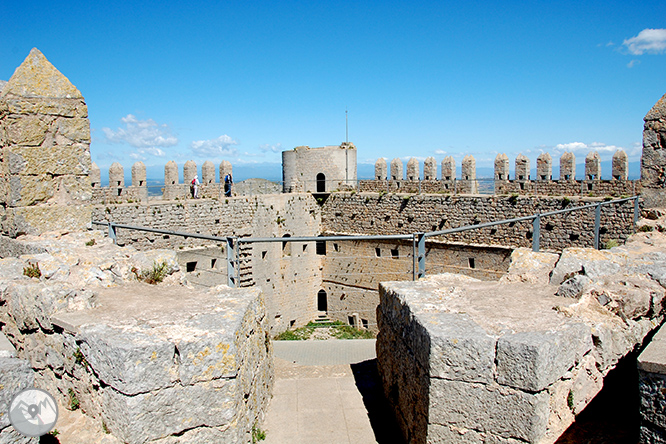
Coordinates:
568	167
522	168
620	165
208	173
593	166
544	167
396	169
430	169
501	167
413	169
380	169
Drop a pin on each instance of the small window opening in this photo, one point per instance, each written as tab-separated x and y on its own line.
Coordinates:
322	301
336	247
350	319
212	263
141	183
263	254
522	186
589	187
217	221
305	248
471	262
365	323
191	266
292	323
321	248
378	251
395	254
543	177
120	190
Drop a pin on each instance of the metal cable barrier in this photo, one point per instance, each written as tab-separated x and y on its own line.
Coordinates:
418	255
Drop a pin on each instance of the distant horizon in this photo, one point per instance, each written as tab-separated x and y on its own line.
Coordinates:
366	172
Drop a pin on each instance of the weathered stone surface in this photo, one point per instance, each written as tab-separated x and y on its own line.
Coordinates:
170	410
146	261
533	360
130	361
37	77
10	436
28	131
591	263
46	106
38	219
531	267
574	286
460	349
495	409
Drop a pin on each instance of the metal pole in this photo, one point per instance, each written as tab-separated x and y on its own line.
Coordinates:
636	211
231	263
414	258
597	223
536	233
422	256
112	233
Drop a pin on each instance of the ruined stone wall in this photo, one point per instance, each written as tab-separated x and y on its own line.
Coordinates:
652	390
353	270
44	151
302	165
151	363
463	360
289	276
653	161
369	213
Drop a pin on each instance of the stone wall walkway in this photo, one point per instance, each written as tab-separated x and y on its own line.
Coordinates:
327	392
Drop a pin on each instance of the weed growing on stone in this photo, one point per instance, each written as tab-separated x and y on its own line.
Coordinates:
610	244
570	400
105	428
54	432
90	243
32	270
156	274
641	229
257	434
73	400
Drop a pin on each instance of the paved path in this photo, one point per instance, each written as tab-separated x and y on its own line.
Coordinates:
327	392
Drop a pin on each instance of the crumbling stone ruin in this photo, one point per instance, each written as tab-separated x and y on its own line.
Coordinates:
485	331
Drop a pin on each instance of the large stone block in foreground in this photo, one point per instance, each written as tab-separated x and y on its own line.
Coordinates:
468	361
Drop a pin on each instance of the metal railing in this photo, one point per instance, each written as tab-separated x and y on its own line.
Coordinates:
418	239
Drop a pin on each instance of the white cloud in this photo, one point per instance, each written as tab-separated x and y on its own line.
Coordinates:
633	63
141	133
271	148
582	149
222	146
651	41
141	154
440	152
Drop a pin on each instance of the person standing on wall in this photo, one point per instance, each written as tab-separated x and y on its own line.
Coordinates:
194	187
228	180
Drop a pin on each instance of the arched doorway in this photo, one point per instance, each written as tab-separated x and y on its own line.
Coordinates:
321	183
322	301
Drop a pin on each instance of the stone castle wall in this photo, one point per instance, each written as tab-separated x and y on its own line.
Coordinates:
44	151
268	265
317	170
353	270
399	214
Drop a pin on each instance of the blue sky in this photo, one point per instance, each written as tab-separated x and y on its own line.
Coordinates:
242	81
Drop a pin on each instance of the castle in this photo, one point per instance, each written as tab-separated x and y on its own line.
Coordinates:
48	183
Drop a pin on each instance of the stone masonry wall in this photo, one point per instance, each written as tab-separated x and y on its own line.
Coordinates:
652	389
44	151
515	361
370	213
151	363
353	270
289	276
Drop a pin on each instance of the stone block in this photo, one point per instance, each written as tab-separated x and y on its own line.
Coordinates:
54	107
528	266
30	190
149	416
591	263
59	160
497	410
128	360
459	348
75	129
42	218
26	130
533	360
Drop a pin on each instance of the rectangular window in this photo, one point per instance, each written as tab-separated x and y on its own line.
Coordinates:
378	252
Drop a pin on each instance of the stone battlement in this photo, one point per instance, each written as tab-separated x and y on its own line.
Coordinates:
522	183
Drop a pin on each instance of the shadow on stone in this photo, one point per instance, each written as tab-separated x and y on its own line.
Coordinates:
612	416
381	417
